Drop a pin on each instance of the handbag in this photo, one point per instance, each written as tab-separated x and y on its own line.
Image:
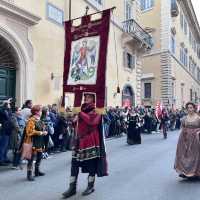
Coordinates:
27	151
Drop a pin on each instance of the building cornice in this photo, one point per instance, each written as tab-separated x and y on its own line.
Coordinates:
191	12
184	68
19	13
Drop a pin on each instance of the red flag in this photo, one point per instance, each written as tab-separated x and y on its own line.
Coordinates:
158	110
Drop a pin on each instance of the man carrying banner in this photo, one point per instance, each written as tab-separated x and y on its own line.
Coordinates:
85	76
89	149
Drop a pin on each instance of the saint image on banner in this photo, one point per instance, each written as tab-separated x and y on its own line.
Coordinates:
84	61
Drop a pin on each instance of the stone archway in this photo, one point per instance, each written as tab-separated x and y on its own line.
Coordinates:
21	64
128	96
8	67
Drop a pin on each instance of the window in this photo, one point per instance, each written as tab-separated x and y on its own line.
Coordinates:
146	4
185	27
128	10
184	56
173	44
191	96
190	37
129	60
181	20
194	70
181	55
55	14
195	96
182	94
147	90
198	74
173	90
190	64
99	1
198	51
98	4
195	46
193	67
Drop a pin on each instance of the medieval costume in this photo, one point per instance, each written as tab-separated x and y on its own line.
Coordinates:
187	162
89	150
34	136
134	130
164	123
148	122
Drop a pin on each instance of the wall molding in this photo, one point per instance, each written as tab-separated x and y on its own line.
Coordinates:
19	13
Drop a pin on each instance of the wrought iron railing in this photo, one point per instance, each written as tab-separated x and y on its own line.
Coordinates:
133	28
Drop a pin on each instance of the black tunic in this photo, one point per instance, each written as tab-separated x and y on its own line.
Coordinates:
133	136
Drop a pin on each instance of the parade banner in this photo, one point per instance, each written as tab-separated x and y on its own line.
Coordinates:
85	58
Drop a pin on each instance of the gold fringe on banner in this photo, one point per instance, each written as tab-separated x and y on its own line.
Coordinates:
76	110
100	111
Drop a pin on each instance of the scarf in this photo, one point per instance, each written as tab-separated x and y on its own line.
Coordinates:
87	107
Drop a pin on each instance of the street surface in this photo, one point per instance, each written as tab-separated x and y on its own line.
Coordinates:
143	172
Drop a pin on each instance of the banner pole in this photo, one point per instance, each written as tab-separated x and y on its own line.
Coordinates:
113	8
70	9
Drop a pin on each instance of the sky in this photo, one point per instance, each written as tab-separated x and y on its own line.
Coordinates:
196	4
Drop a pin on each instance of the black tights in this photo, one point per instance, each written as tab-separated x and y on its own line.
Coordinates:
38	156
75	170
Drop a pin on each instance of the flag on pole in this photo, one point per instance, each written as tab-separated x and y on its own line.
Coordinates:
85	58
159	108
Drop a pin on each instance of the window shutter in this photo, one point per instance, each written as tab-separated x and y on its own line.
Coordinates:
142	2
125	58
133	61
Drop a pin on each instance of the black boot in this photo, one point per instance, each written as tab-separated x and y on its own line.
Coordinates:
71	191
37	165
38	172
29	175
90	187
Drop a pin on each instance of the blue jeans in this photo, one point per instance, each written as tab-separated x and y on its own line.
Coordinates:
4	141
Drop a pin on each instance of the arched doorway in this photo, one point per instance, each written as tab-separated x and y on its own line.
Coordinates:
8	67
128	97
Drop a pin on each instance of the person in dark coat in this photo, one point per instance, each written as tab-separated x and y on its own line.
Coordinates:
164	122
5	132
178	120
113	122
107	122
148	122
20	125
134	131
61	132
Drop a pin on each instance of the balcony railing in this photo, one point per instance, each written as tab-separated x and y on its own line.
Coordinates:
174	8
135	30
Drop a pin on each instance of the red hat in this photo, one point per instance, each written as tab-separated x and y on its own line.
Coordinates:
36	109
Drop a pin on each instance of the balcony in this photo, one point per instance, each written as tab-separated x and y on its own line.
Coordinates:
137	33
174	8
